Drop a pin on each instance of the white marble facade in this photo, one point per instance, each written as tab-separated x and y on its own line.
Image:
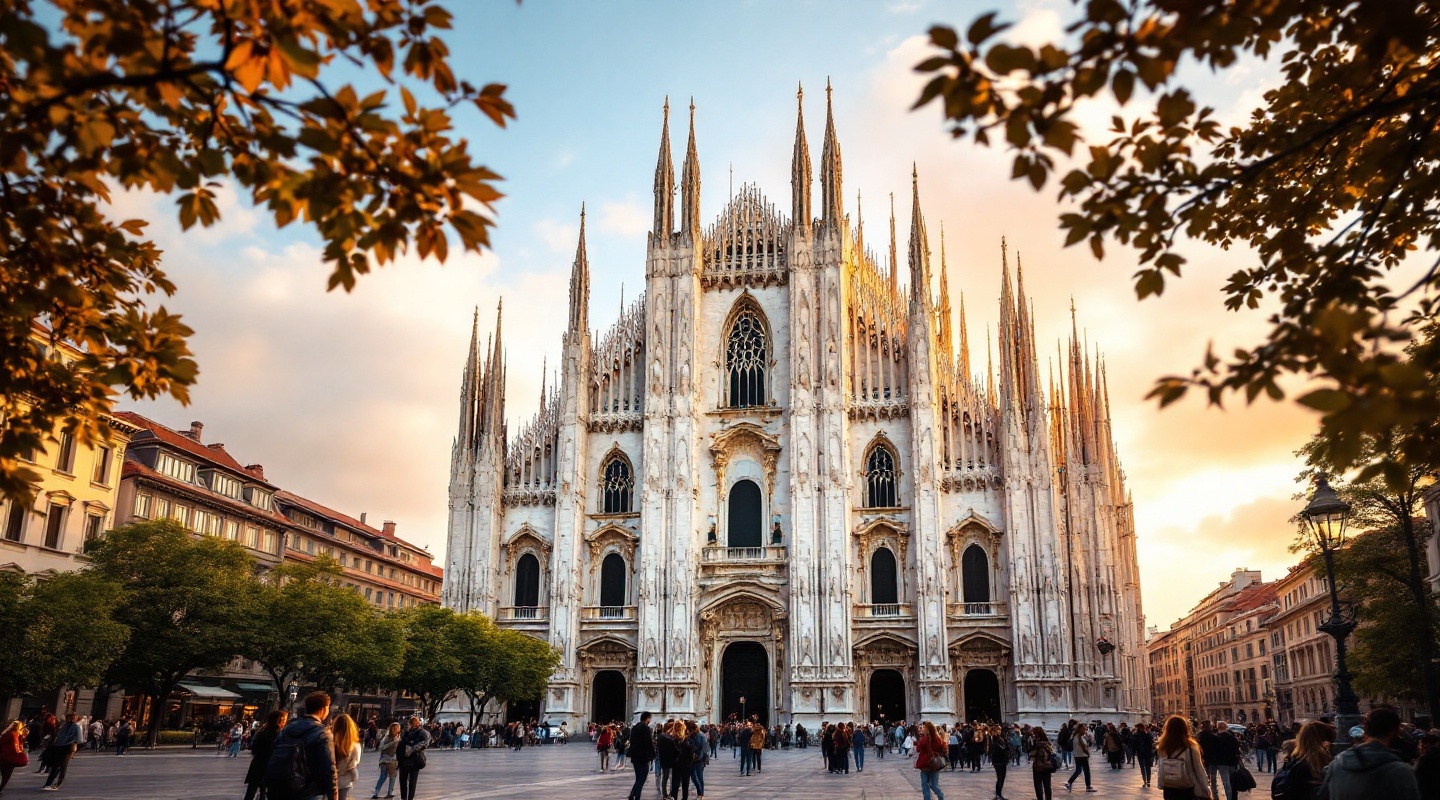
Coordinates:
779	474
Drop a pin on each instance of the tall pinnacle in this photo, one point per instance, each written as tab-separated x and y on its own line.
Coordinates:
580	284
919	247
830	193
964	340
945	330
664	184
690	185
894	259
800	168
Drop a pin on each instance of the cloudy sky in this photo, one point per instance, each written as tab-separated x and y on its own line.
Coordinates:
352	399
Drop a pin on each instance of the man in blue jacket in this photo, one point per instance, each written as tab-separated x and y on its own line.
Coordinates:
310	732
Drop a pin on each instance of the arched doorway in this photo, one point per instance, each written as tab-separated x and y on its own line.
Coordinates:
745	672
883	588
887	695
608	697
982	696
745	521
612	580
522	711
527	581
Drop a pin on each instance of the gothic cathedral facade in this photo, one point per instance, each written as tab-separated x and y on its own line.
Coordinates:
778	485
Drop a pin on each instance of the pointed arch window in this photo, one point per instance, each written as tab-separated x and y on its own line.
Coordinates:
975	574
747	354
617	485
527	581
880	479
884	587
612	580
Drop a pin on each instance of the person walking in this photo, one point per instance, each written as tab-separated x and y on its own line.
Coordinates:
61	750
306	741
999	759
930	760
665	750
956	746
1044	763
261	746
699	744
12	751
1372	769
641	749
1064	745
858	743
1113	746
1080	741
345	735
387	743
684	759
603	742
757	744
410	757
1182	769
1144	748
1226	756
124	732
236	737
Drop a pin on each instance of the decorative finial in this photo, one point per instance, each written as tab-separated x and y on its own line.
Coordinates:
667	108
800	92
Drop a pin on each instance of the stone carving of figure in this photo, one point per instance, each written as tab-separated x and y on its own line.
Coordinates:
934	649
807	651
651	659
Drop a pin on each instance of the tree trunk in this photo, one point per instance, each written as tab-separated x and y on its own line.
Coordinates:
1421	595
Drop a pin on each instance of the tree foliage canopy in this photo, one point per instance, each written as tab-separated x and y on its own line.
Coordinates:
1330	187
177	97
57	632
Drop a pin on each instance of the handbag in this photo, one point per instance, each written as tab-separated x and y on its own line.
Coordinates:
1242	780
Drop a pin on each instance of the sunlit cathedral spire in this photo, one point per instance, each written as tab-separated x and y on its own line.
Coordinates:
664	183
690	185
800	168
831	210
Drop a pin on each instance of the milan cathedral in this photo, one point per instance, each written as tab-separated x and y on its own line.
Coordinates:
778	485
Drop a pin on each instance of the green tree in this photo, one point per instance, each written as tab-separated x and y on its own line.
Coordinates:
306	627
57	632
499	664
177	97
187	602
1385	569
1330	185
432	669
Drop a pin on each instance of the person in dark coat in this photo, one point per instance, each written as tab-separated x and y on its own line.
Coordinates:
261	746
641	750
311	731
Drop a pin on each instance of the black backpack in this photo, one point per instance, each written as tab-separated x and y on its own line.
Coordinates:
287	773
1281	779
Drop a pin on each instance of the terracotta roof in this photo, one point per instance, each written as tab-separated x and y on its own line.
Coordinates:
136	469
355	524
213	454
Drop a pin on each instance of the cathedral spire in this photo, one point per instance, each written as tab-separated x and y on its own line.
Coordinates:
859	225
664	183
831	201
945	330
894	259
469	385
800	169
919	247
580	284
690	185
964	340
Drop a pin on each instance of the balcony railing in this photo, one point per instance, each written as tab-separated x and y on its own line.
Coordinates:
722	555
882	610
996	609
608	613
525	613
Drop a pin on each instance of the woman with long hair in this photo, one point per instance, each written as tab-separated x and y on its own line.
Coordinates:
262	744
684	760
999	753
931	750
12	751
1043	762
387	744
1308	761
603	740
1182	772
346	737
1113	746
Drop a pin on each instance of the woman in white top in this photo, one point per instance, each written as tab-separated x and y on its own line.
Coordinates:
347	753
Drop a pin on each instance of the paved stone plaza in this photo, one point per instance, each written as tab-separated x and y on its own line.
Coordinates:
554	771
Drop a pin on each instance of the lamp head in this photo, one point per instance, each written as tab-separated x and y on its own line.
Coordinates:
1326	515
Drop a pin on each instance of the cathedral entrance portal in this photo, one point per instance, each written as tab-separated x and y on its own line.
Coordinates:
982	696
745	672
607	697
887	695
522	711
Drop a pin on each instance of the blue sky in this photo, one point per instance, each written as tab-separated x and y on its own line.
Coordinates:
352	399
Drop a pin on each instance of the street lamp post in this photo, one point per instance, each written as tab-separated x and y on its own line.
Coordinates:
1326	516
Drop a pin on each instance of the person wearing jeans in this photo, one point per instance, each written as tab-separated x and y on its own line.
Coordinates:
700	756
62	749
641	749
930	744
1226	759
858	743
1080	741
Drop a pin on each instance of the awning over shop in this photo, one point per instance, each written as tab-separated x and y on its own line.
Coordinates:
262	688
202	692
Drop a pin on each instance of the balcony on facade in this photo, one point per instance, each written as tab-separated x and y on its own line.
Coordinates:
720	564
603	616
977	613
883	614
525	614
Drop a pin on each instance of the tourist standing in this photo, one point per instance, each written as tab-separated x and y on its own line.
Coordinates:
699	744
310	736
237	736
1144	749
1080	741
603	741
641	749
857	743
411	758
1063	743
1307	762
1372	769
956	747
1182	768
665	749
999	758
1043	762
61	750
261	746
684	759
12	751
123	733
388	743
345	735
930	760
1113	746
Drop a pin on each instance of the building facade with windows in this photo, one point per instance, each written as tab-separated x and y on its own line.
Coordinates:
779	475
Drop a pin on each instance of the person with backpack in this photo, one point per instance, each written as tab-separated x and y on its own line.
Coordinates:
411	755
1372	769
684	760
261	746
1144	749
699	743
1182	770
302	765
930	750
1043	762
1299	776
1080	741
999	753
